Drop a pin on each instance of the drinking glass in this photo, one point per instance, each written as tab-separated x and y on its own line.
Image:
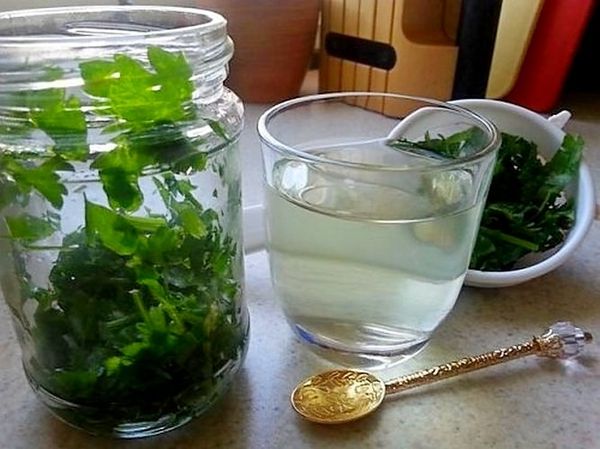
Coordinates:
373	202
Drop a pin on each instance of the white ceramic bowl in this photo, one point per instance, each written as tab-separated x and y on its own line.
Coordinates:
548	135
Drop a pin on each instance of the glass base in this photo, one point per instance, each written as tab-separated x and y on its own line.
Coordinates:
119	421
380	352
100	421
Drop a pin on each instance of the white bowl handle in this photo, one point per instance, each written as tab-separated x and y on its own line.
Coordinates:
560	120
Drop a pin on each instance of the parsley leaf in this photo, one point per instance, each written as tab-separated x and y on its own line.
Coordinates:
43	178
59	116
152	135
29	228
127	87
456	145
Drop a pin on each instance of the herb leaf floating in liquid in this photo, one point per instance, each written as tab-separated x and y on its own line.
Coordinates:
525	210
456	145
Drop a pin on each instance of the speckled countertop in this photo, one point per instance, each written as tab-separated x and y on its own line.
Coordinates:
531	403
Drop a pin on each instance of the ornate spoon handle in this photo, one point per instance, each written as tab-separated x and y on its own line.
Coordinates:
562	340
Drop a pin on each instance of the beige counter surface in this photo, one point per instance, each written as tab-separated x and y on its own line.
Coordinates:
531	403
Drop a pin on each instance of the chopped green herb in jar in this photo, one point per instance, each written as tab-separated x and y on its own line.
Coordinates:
140	312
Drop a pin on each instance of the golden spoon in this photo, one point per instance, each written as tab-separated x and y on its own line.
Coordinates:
343	395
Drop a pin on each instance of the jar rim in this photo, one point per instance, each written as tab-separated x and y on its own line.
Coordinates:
212	21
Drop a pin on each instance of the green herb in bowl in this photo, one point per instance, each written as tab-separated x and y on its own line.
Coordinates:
527	210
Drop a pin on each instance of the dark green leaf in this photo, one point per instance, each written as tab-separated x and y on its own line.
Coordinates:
456	145
122	189
524	212
562	168
119	171
218	129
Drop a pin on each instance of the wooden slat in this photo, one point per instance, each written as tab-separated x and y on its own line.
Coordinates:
426	55
383	33
366	29
351	13
324	59
336	24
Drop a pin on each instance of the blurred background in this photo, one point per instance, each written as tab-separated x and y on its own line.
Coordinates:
527	52
536	53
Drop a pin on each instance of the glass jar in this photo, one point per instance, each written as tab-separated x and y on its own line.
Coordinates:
120	212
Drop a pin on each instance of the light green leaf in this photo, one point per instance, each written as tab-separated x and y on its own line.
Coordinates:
29	228
191	221
111	229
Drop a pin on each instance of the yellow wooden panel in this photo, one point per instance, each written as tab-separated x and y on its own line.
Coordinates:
426	54
366	28
324	58
336	24
351	10
382	33
515	27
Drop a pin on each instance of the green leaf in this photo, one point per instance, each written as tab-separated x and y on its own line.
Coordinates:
162	243
98	77
111	229
59	116
133	350
43	178
191	221
563	167
524	211
119	171
113	364
76	382
29	228
174	74
122	189
146	224
124	157
139	96
454	146
64	122
218	128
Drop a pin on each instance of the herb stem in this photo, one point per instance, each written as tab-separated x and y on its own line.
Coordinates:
510	239
137	298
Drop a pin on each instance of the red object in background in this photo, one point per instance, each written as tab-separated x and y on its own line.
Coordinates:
551	51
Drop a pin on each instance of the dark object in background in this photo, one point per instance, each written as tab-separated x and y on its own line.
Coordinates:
476	39
362	51
584	73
